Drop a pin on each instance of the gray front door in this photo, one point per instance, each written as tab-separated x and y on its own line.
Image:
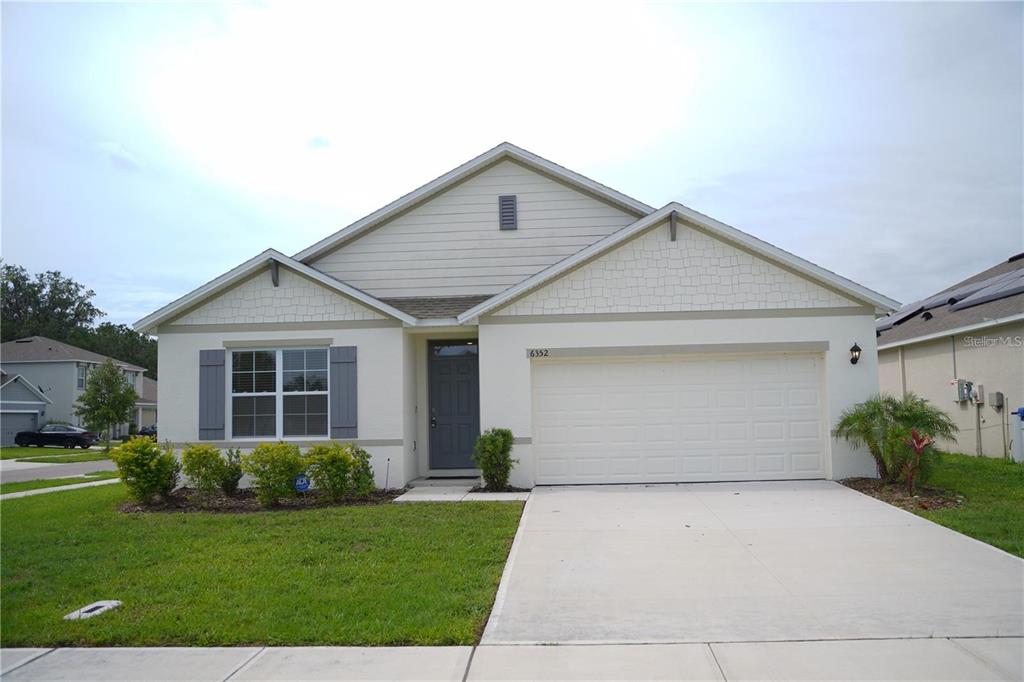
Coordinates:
453	376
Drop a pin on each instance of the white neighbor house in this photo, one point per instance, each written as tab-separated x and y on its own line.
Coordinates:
619	342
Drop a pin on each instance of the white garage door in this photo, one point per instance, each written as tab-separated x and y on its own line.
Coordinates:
679	418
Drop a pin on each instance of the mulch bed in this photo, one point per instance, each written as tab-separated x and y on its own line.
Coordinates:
924	498
506	489
244	501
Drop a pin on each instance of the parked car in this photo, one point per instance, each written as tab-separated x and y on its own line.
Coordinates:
56	434
148	431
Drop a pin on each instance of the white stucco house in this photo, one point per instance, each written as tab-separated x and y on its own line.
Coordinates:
618	341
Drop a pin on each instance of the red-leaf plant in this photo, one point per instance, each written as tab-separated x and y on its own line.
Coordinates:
918	443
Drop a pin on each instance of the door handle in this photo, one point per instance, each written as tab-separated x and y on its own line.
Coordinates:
433	422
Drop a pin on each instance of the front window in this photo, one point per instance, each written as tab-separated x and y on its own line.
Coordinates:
279	393
81	376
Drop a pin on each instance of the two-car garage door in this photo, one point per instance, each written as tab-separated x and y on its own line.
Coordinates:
679	418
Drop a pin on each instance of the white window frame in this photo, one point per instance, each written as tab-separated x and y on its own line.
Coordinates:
82	376
279	395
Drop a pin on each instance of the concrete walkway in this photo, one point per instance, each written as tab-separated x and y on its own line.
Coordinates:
744	562
901	659
13	470
58	488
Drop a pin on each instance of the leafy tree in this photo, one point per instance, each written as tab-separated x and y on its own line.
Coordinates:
107	400
57	307
47	304
119	341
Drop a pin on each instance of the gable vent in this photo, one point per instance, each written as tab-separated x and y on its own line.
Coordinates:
507	212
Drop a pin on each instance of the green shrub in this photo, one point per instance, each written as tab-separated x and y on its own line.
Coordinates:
342	471
231	473
204	467
273	467
493	454
146	469
362	472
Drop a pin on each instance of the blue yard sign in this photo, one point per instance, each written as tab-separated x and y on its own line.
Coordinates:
301	483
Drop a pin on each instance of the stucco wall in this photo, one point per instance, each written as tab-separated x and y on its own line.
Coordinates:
697	272
505	393
381	385
993	357
295	299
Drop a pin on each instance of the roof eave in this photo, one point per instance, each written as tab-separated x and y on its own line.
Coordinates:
953	331
214	286
879	302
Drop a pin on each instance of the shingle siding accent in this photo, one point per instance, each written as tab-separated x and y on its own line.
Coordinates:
295	299
696	272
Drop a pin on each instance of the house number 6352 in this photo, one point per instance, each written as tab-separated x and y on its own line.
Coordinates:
537	353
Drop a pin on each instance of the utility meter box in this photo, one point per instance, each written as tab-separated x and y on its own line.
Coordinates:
995	399
978	395
963	390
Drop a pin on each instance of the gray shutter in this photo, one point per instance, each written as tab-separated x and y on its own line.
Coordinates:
342	392
211	394
507	212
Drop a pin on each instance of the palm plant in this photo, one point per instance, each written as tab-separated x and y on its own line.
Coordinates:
882	424
867	425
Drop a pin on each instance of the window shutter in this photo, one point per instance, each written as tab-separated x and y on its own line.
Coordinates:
507	212
342	392
211	394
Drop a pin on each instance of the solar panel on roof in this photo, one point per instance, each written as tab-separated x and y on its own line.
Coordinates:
1004	288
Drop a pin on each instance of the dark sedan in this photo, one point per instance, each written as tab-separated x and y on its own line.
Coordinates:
56	434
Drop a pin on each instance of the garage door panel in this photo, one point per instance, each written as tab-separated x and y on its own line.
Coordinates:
678	419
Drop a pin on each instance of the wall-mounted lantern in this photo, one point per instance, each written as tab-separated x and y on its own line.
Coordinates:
854	354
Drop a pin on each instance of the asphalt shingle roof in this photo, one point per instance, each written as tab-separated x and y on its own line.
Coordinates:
436	307
942	317
40	348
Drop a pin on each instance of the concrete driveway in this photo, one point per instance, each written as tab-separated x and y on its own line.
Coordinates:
744	562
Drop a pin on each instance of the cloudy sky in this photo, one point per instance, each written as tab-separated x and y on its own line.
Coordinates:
148	148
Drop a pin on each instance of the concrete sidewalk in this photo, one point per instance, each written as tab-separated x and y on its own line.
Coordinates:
892	659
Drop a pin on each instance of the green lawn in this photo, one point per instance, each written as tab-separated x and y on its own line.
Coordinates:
55	458
370	575
15	451
994	508
19	486
49	454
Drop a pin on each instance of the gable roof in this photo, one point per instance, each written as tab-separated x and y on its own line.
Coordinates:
716	228
991	297
8	379
505	150
250	266
42	349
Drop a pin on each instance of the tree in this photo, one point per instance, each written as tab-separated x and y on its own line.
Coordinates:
119	341
107	400
48	304
57	307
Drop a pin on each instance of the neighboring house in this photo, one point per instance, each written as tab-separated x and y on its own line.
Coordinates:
618	342
60	371
22	406
145	414
960	348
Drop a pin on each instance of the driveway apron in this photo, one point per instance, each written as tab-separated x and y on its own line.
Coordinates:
740	562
